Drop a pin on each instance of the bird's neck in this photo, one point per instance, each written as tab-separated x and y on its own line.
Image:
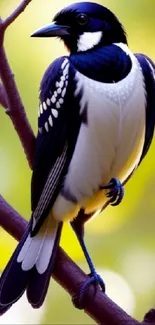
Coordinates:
107	64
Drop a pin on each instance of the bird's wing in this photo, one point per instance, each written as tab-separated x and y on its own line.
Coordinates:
148	69
58	128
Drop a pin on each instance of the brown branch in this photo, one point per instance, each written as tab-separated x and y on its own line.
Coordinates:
15	108
10	19
3	100
7	215
70	276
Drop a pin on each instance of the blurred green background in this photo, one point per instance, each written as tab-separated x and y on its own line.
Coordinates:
122	239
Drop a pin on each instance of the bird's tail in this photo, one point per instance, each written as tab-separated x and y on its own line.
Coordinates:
30	266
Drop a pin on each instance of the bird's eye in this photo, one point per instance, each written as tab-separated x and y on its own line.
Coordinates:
82	19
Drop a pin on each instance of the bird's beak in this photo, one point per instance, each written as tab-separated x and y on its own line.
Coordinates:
51	30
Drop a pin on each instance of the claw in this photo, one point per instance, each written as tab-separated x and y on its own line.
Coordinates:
116	191
95	279
113	198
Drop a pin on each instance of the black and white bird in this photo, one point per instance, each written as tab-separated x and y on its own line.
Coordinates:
96	123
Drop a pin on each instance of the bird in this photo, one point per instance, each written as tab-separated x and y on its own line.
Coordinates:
96	122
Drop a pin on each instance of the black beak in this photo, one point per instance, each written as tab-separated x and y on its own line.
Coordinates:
51	30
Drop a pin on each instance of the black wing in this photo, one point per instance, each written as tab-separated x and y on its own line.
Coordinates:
58	128
148	69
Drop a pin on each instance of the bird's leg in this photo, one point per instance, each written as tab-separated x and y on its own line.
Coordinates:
116	191
94	278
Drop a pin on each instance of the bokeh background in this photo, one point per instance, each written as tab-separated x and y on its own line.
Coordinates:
122	239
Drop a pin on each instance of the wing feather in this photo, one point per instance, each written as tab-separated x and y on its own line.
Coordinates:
148	69
58	127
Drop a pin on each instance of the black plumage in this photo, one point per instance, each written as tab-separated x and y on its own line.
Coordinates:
148	69
52	144
105	64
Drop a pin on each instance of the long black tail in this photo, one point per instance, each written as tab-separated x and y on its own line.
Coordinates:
30	266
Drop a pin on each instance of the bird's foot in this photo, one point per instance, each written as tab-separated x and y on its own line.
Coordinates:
94	279
116	191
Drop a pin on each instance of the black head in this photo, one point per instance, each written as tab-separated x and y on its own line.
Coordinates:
83	26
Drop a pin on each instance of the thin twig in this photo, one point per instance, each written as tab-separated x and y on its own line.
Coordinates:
12	101
3	100
10	19
15	108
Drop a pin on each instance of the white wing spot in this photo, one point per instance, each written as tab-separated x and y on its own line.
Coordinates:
64	63
61	83
65	72
55	93
44	106
57	84
41	108
46	126
48	102
40	130
61	101
57	105
59	91
66	83
62	78
53	99
63	92
54	112
50	120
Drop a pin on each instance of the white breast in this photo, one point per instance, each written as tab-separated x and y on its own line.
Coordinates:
110	145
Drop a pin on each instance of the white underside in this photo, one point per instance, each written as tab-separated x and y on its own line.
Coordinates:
112	142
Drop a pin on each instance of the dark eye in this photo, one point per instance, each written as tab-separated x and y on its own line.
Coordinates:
82	19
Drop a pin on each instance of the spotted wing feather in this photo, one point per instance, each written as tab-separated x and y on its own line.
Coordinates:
58	125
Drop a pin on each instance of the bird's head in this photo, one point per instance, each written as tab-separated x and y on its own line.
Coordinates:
83	26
